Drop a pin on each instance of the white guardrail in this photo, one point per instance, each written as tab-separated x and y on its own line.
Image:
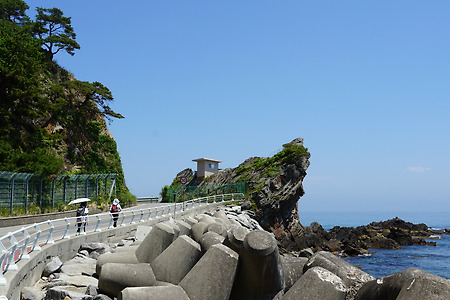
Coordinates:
17	245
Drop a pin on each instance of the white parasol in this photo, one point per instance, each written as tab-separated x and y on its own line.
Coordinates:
79	200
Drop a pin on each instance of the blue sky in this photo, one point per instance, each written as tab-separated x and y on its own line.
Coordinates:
365	84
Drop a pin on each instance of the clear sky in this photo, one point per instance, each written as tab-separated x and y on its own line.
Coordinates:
366	84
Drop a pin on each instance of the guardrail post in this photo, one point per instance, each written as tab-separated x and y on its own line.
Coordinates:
149	213
23	249
123	219
2	260
156	213
50	233
66	231
142	216
110	221
132	218
13	266
36	246
97	226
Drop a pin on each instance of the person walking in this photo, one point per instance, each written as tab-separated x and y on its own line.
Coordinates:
82	216
114	209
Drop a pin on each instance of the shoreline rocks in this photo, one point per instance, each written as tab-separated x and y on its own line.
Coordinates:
228	257
352	241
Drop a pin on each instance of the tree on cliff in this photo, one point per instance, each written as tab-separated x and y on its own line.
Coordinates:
51	123
55	31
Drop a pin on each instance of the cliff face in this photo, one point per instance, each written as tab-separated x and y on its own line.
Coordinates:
274	186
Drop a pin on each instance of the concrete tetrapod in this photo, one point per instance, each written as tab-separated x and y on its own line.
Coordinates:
235	238
317	283
198	230
213	275
177	260
116	276
210	238
175	227
155	243
127	257
185	228
407	284
153	293
352	277
292	269
217	228
259	274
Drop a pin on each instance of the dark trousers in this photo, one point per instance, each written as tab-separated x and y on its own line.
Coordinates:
115	218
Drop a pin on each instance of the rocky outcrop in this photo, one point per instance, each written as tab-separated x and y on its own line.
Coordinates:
274	187
351	241
390	234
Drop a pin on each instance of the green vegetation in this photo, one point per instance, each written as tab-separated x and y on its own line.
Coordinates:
51	122
270	166
258	169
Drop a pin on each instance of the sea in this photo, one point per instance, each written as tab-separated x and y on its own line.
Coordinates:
383	262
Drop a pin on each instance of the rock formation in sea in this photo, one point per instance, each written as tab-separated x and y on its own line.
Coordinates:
275	185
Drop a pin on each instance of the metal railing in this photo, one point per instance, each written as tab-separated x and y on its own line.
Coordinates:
16	246
182	192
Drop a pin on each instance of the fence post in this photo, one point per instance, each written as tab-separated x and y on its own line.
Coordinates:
27	180
53	192
96	185
76	185
40	192
12	194
65	189
86	188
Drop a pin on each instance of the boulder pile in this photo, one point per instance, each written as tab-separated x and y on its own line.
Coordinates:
222	255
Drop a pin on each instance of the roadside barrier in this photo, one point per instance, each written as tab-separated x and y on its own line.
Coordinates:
18	245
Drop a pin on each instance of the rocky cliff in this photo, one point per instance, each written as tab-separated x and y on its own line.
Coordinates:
274	187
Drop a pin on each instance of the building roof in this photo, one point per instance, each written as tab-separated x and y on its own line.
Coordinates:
207	159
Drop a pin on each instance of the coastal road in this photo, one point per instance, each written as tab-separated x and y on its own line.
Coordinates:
60	228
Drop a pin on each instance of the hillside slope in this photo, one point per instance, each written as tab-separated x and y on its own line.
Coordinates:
51	122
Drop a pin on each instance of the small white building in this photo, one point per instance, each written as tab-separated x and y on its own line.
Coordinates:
206	167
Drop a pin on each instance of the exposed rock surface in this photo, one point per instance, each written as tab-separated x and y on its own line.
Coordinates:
274	185
351	241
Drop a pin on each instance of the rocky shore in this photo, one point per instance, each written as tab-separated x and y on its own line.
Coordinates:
351	241
227	255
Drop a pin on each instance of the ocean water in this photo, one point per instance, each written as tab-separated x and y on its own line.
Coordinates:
383	262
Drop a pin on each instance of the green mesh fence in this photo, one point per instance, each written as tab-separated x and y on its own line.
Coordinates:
183	193
25	189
